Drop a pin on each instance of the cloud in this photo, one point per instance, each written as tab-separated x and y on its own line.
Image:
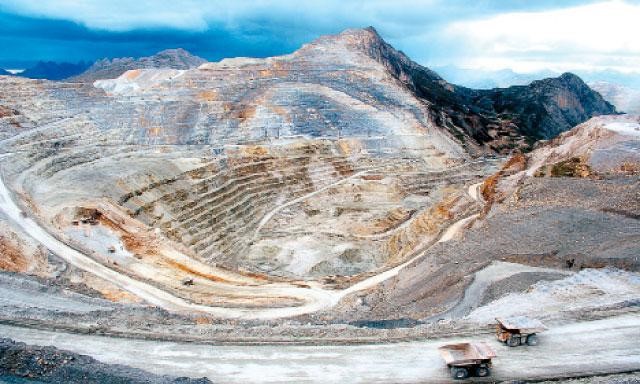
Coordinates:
114	15
194	15
595	36
518	34
198	15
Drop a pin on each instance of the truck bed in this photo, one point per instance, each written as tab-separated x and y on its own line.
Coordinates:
521	324
466	353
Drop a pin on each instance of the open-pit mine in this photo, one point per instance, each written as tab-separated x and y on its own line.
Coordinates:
341	197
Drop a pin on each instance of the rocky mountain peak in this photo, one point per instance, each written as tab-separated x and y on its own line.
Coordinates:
367	43
566	80
362	38
570	77
353	38
500	120
174	58
550	106
177	58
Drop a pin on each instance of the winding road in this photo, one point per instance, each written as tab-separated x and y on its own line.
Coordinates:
265	219
564	351
315	297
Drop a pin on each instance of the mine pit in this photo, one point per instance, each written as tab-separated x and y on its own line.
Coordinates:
341	194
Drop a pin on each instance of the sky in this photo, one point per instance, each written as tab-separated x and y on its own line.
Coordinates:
524	36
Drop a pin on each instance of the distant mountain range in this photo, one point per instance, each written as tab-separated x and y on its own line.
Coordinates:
626	99
498	119
487	79
502	118
54	71
107	69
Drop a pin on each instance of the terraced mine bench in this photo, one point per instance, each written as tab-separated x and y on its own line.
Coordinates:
519	330
466	359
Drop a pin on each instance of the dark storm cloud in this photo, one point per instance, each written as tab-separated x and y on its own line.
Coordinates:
87	30
28	39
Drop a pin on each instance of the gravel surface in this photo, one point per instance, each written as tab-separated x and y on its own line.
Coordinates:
31	292
586	290
561	223
19	361
516	283
564	351
624	378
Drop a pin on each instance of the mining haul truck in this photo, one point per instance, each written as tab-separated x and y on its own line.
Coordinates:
468	359
520	330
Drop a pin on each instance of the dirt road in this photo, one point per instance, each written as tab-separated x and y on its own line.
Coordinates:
315	298
567	350
265	219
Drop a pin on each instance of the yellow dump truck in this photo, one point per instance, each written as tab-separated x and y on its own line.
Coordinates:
514	331
468	359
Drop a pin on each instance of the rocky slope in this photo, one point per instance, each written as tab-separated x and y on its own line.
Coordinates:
572	203
539	110
603	145
20	363
497	120
502	118
206	179
109	69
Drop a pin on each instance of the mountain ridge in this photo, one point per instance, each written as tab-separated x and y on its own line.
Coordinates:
52	70
175	58
349	84
542	109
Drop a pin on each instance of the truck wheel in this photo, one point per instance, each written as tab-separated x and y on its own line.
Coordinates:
513	340
483	371
532	339
459	373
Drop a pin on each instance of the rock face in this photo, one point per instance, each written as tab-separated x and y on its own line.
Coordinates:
232	162
545	108
603	145
502	118
109	69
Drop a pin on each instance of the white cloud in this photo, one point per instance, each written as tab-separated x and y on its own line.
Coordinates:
597	36
432	32
116	15
196	15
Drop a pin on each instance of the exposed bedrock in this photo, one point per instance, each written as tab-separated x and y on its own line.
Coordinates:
277	182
